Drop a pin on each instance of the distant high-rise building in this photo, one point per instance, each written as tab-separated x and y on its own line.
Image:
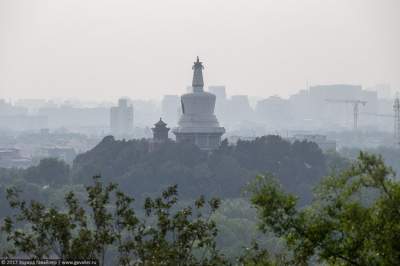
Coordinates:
274	109
170	105
121	119
384	90
145	111
7	109
198	123
241	105
33	105
218	91
300	104
221	101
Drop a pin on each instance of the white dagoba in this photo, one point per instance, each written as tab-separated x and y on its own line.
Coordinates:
198	123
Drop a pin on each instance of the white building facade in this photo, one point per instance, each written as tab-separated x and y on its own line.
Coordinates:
121	119
198	123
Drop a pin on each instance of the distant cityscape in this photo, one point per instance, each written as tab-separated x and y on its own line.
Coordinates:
333	116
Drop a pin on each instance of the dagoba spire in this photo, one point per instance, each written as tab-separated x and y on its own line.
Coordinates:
198	83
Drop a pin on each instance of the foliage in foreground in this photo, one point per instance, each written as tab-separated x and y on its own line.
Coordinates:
109	228
354	219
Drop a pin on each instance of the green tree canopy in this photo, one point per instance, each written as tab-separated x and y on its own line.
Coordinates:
107	228
49	171
353	220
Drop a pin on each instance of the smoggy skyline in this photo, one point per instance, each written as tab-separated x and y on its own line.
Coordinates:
102	50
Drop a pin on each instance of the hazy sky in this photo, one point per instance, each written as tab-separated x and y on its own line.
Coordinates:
95	49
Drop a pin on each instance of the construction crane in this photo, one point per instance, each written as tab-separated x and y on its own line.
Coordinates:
355	104
375	114
396	116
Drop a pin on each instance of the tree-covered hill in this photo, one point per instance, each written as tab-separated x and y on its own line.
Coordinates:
142	169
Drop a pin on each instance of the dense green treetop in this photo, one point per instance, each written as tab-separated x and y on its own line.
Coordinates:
224	172
354	218
105	227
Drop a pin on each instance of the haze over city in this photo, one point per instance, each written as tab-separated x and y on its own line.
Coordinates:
101	50
198	133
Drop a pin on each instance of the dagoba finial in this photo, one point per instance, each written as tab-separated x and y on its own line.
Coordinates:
198	82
